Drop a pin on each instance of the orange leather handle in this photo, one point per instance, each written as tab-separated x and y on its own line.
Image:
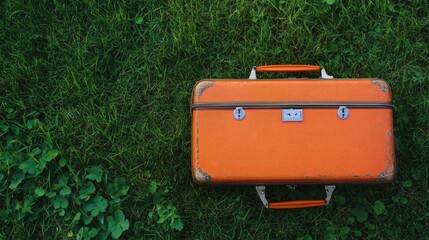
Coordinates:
288	68
297	204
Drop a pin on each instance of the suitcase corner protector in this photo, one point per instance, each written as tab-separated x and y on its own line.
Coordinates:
381	84
202	86
200	176
387	175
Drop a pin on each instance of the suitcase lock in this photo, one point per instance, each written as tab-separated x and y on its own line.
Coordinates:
239	113
343	112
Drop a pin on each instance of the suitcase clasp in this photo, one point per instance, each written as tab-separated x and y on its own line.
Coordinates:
343	112
292	115
239	113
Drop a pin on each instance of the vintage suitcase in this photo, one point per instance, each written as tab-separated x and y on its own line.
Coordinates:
292	131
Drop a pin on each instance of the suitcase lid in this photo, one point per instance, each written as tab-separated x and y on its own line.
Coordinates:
292	91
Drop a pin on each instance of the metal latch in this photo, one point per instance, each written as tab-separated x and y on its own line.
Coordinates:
292	115
239	113
343	112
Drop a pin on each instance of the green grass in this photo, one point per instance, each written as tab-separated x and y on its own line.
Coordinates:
111	81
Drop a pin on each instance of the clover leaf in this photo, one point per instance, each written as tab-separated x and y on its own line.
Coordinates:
48	156
360	213
85	192
97	205
117	224
378	207
94	173
60	202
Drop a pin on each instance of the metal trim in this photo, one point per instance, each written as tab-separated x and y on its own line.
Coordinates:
325	75
253	74
261	193
329	190
277	105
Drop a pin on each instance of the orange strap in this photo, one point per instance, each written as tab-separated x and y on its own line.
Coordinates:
297	204
288	68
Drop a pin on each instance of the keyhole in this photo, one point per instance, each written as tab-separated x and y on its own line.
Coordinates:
343	112
239	113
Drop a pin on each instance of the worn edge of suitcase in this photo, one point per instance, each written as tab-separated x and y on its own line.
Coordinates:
202	178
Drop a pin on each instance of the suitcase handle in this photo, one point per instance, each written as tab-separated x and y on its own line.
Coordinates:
289	68
297	203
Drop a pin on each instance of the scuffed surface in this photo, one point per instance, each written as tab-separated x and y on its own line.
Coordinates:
201	176
389	172
201	87
381	84
386	175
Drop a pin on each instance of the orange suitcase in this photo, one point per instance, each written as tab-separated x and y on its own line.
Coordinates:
292	131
